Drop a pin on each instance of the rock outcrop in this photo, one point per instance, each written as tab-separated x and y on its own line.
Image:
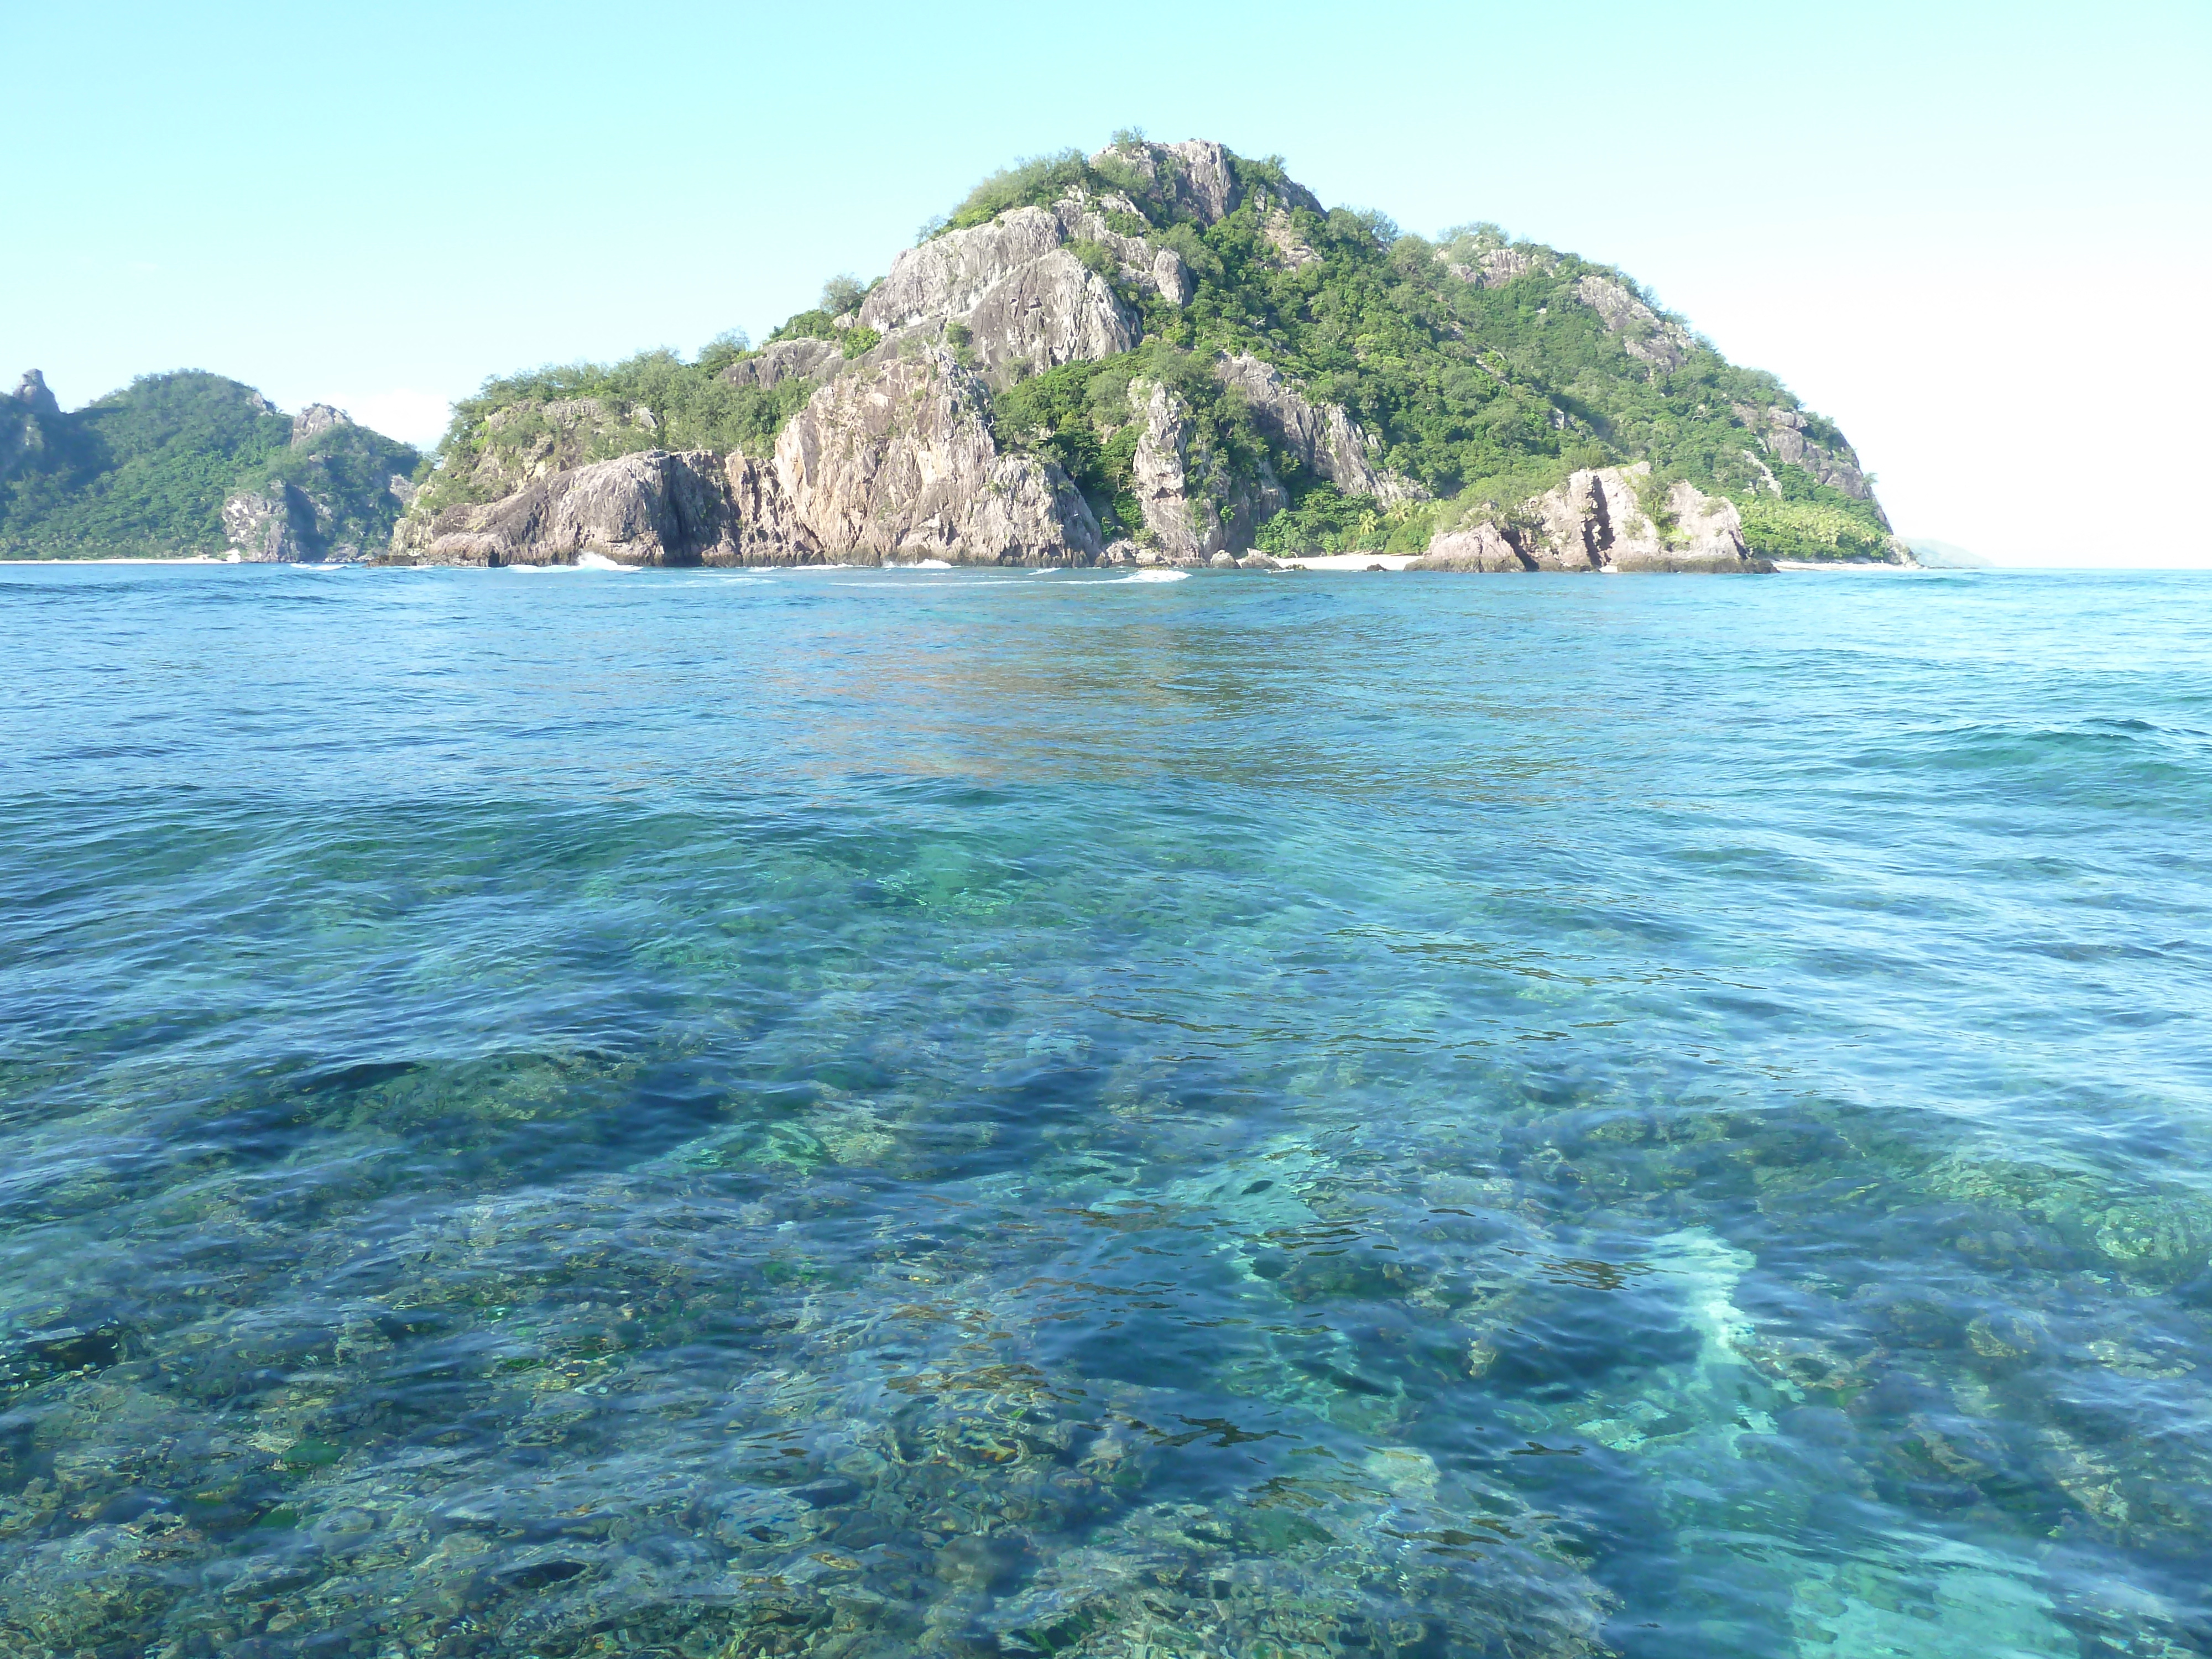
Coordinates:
891	464
1193	505
534	441
315	420
26	423
273	525
1644	334
1197	177
1597	521
1787	435
1321	437
1483	547
651	507
780	361
1496	266
900	465
1013	286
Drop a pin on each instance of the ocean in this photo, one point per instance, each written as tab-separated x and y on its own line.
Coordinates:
860	1113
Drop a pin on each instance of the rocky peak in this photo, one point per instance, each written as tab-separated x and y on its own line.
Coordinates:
1198	176
34	396
314	419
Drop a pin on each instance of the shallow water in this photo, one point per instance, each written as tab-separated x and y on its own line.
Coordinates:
867	1113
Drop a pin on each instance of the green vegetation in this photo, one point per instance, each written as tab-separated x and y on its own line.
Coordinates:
144	472
1810	530
1081	415
585	412
1484	395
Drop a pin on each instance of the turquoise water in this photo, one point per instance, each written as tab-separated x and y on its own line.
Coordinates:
867	1113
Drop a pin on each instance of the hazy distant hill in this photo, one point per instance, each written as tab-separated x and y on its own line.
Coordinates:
192	463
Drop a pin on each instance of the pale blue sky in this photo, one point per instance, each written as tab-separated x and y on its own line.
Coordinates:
1976	234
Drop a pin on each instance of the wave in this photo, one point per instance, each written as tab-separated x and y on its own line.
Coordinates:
1151	576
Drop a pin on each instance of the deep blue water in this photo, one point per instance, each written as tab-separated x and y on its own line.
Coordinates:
869	1113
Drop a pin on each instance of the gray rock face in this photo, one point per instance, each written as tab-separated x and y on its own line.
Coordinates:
1291	250
764	525
1496	266
1192	505
1646	335
1021	296
787	360
1053	310
1596	521
23	419
900	465
275	525
649	508
1141	263
891	463
1783	433
948	275
33	393
1197	175
314	419
1321	437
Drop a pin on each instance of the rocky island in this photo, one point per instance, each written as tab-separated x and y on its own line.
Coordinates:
1158	354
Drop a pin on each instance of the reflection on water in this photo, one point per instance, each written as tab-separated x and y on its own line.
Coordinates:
838	1115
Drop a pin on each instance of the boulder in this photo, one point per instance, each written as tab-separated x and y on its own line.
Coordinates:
652	507
1484	547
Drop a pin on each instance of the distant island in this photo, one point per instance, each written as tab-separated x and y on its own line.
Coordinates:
1158	354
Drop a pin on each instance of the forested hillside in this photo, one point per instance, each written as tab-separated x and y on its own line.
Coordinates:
191	463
